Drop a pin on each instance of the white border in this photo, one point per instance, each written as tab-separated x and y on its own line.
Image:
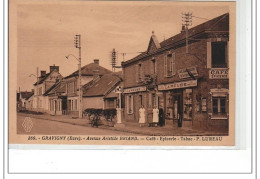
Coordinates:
152	160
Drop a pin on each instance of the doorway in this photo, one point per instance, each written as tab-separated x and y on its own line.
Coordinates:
177	109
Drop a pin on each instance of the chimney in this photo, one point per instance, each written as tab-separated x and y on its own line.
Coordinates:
43	73
52	68
95	74
96	61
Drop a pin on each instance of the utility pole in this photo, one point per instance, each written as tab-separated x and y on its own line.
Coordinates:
186	22
37	79
36	93
113	60
77	43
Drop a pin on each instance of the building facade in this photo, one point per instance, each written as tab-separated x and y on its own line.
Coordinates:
100	94
64	98
40	101
189	83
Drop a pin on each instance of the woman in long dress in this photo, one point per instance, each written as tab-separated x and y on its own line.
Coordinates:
142	115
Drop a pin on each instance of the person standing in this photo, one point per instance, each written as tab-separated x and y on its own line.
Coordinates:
141	115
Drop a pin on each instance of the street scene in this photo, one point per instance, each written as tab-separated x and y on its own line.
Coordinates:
125	72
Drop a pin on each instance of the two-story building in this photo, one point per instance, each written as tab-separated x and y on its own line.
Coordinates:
88	73
40	101
189	83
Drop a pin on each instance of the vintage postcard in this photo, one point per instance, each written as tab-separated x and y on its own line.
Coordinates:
158	73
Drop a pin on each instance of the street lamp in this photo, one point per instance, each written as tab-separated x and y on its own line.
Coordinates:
77	43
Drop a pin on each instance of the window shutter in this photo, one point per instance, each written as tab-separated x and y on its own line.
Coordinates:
142	72
173	64
165	66
208	54
137	73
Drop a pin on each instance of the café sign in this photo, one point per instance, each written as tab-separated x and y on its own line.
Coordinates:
183	73
135	89
183	84
218	73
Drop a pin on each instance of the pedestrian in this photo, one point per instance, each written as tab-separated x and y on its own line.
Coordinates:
141	116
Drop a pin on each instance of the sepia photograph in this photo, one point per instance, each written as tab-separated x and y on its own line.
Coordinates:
122	73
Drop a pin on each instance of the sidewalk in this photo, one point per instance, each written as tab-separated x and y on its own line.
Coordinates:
129	127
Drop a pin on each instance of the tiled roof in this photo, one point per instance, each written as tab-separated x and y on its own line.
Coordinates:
103	86
58	87
26	94
220	23
113	94
89	70
41	79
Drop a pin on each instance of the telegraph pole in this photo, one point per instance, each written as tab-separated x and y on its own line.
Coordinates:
113	60
186	22
77	43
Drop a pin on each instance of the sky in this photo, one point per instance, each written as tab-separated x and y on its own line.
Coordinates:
46	30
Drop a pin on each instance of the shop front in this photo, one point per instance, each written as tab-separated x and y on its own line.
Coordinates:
178	102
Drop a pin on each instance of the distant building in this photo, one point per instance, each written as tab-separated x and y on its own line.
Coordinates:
191	89
44	83
100	93
22	98
64	96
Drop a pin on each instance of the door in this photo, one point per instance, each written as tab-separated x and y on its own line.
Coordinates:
177	109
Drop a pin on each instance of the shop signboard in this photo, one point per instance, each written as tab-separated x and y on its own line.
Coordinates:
183	84
220	73
135	89
184	73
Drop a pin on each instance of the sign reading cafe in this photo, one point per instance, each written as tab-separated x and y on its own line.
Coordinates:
218	73
183	84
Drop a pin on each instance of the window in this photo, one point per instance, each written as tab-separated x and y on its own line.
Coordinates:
217	54
154	70
130	104
110	103
219	106
139	73
71	87
169	65
40	91
76	105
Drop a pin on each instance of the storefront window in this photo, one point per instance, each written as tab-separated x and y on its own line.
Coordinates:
187	104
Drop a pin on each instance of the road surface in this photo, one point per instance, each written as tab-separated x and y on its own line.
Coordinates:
46	127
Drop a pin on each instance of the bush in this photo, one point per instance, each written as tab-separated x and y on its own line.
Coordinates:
92	112
109	114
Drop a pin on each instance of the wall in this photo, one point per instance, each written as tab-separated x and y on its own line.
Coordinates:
92	102
183	61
